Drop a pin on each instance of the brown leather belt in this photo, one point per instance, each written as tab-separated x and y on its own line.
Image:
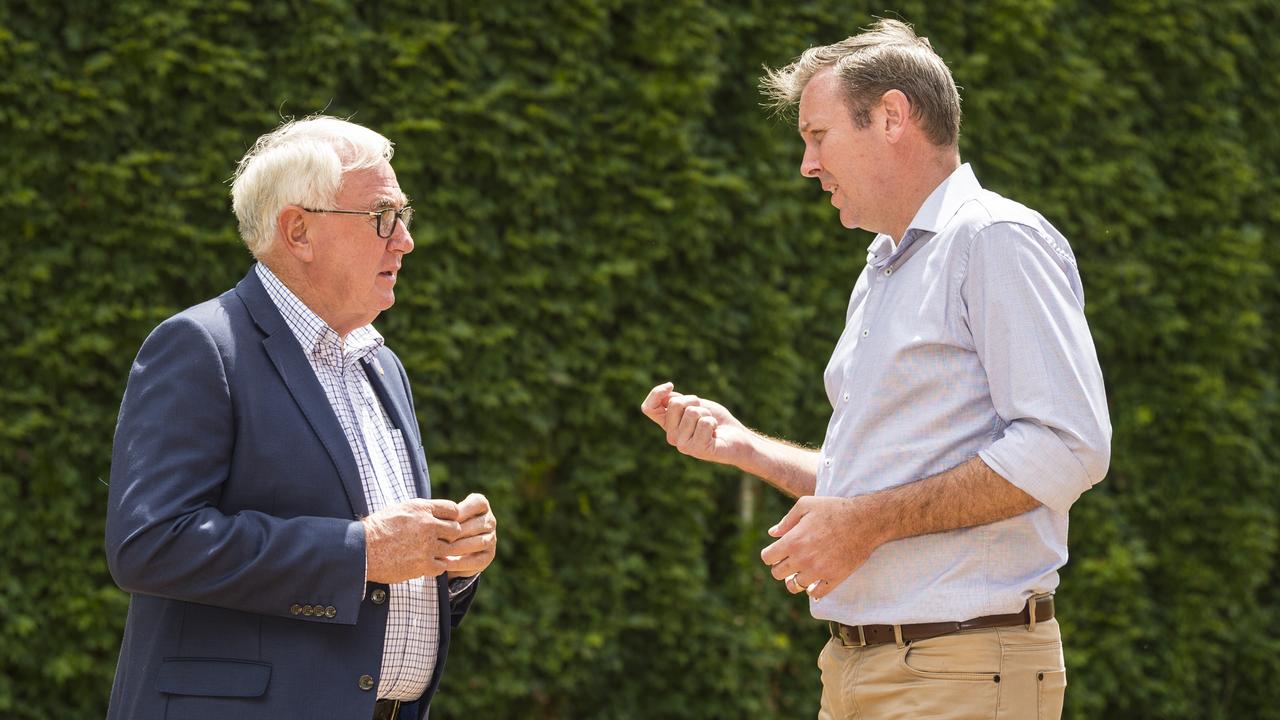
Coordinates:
863	635
386	710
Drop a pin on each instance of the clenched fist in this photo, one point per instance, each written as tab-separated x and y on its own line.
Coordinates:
410	540
477	541
697	427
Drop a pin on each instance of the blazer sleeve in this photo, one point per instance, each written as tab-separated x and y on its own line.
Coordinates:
165	533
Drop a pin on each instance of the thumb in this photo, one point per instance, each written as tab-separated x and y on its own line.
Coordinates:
444	509
788	521
473	505
657	399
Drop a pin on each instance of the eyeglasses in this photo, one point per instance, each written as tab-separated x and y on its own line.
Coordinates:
386	218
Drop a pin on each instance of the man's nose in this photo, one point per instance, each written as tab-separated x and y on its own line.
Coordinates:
809	165
401	240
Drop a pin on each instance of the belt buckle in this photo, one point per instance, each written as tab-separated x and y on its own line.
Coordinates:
841	632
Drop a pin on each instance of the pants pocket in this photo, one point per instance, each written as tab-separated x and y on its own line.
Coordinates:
1053	688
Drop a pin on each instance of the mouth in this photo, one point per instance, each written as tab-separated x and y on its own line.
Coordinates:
389	274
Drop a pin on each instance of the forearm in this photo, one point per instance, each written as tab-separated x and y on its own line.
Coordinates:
790	468
966	495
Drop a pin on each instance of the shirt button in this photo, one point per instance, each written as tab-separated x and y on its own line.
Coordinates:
888	271
378	596
366	682
866	333
827	462
846	397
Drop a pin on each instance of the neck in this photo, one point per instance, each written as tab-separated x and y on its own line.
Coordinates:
916	185
306	290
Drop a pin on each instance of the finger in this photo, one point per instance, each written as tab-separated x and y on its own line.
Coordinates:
812	588
799	581
790	520
473	505
443	509
783	569
775	552
675	413
445	530
434	566
704	433
479	525
655	404
793	585
688	425
474	544
467	564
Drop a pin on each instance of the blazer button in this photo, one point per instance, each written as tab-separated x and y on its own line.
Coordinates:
308	610
366	682
296	609
331	611
378	596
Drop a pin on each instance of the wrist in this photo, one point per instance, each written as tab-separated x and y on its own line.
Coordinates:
875	513
749	456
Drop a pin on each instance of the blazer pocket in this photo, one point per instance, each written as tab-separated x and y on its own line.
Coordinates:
213	677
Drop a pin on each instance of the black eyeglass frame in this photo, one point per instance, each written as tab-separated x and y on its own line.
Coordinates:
404	215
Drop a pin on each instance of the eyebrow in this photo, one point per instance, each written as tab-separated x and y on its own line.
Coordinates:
807	127
386	201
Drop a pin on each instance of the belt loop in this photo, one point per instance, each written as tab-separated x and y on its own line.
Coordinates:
1031	612
897	635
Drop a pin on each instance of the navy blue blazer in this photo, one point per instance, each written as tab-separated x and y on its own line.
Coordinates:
233	505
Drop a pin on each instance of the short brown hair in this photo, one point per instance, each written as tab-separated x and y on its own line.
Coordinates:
887	56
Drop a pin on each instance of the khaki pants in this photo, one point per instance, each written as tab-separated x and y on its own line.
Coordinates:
1006	673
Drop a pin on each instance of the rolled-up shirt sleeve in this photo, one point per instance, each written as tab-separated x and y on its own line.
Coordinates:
1025	308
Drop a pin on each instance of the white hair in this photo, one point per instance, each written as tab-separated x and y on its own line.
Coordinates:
301	162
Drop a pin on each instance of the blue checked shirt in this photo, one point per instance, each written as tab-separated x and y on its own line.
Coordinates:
413	621
967	338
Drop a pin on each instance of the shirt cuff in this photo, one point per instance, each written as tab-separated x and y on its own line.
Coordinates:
458	586
1036	461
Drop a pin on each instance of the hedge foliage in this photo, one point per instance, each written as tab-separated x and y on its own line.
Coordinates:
603	205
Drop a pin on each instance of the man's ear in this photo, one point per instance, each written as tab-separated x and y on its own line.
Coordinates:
291	232
897	114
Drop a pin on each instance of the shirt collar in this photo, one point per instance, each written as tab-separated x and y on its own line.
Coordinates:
313	333
937	210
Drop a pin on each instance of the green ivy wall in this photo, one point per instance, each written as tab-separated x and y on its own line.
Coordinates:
604	205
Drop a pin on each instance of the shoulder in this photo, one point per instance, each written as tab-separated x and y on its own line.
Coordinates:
209	329
993	227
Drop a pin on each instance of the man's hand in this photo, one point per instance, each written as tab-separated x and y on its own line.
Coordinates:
822	541
477	541
409	540
698	427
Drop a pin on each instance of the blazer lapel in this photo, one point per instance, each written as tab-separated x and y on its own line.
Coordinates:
299	377
389	392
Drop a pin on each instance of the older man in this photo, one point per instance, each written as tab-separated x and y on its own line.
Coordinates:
270	506
968	409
